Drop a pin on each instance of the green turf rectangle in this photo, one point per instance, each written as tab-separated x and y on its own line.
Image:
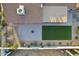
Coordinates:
56	32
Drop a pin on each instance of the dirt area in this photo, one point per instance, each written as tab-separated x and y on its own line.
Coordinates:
38	53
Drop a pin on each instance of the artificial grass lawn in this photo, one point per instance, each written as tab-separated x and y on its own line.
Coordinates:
56	32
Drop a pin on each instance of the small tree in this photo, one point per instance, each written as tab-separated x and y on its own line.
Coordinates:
41	44
48	44
76	37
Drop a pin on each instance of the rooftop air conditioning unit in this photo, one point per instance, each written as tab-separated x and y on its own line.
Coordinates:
21	10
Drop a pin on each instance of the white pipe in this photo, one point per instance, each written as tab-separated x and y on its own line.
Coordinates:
41	5
76	50
8	53
69	53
